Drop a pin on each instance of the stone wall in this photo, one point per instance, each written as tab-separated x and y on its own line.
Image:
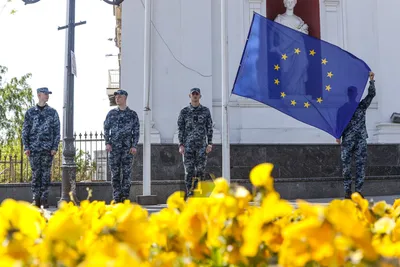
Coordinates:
291	161
301	171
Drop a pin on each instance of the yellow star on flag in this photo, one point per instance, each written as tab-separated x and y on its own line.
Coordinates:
306	105
276	67
328	88
312	52
276	81
297	51
284	57
293	102
324	61
283	94
319	100
330	74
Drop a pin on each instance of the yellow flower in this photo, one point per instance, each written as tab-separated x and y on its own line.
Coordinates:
137	237
233	256
260	176
396	232
272	208
192	222
310	239
384	225
165	259
221	186
385	247
343	215
66	226
243	197
165	230
396	203
176	201
310	210
20	227
380	208
7	261
115	254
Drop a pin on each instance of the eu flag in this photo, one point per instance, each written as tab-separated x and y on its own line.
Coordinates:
299	75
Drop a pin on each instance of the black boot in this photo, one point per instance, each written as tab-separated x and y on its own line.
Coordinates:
44	203
36	202
188	195
347	195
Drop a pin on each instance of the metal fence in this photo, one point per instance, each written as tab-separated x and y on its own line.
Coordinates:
91	160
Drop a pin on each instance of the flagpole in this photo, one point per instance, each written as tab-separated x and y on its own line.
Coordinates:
225	87
146	102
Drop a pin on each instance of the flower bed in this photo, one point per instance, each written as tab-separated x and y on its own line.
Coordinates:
223	229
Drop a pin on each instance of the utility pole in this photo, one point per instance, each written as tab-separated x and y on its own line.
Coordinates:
68	183
225	100
68	186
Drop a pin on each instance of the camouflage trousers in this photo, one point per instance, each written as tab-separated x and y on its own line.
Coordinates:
121	169
194	161
358	148
41	171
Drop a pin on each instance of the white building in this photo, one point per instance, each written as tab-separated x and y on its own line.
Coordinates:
186	53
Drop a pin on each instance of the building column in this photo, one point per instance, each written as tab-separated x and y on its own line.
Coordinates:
388	92
132	48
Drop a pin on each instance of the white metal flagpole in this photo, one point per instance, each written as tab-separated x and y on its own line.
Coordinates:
225	87
147	110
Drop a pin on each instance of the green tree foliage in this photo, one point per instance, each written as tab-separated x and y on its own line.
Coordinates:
15	99
7	4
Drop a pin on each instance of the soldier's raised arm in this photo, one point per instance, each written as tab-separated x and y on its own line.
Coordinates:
366	102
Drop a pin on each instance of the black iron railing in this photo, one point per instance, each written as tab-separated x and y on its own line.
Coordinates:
91	159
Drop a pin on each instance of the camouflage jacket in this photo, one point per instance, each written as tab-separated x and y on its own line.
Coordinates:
356	128
41	129
195	126
122	128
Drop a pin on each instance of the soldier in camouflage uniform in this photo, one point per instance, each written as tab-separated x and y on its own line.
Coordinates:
195	139
121	132
41	137
354	139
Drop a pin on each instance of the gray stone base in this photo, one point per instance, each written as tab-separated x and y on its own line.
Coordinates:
146	200
300	171
288	188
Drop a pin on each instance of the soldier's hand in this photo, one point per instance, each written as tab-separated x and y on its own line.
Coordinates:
338	141
371	76
133	151
108	148
53	152
181	149
208	149
27	152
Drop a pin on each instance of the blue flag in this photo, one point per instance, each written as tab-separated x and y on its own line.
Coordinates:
299	75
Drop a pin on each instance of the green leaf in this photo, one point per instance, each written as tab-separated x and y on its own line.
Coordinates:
16	98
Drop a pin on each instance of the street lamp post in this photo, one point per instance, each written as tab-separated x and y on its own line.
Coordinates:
68	182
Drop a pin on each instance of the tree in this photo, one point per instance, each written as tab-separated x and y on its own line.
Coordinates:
15	99
4	4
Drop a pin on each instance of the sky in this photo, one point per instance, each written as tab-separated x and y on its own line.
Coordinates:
31	43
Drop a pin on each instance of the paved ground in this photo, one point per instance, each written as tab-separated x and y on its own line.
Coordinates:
323	201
